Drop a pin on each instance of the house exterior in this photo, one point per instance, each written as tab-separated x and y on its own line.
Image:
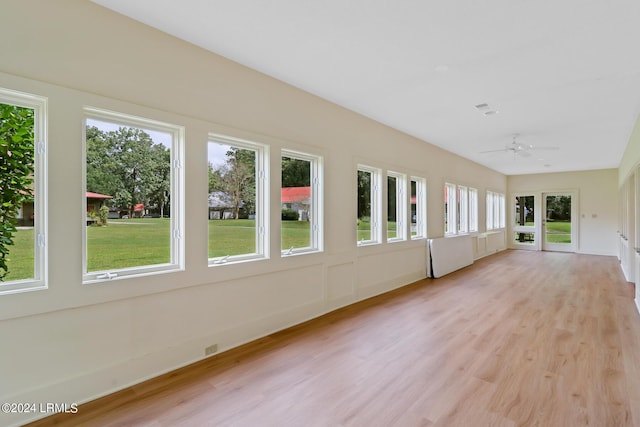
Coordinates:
297	199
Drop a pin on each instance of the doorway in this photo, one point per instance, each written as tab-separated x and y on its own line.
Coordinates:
558	225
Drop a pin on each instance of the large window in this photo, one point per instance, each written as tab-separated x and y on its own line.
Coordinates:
418	208
473	209
237	209
450	209
133	209
460	209
23	192
396	207
463	209
369	198
300	196
495	210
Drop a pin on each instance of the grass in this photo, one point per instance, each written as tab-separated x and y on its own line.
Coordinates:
20	258
138	242
146	241
364	230
556	232
128	243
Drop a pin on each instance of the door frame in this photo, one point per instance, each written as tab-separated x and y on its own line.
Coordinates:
539	204
559	247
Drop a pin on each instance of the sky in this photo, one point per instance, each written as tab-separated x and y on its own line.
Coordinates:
163	138
216	151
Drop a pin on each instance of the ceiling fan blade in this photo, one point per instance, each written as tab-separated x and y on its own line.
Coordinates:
495	151
544	148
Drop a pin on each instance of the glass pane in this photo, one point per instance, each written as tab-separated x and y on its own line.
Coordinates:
364	206
392	211
296	203
128	196
525	238
524	217
17	135
414	213
558	224
232	200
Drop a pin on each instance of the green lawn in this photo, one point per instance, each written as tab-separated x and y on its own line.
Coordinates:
556	232
128	243
20	259
146	241
364	230
295	234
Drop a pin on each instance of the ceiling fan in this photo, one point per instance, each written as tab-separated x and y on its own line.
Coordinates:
520	149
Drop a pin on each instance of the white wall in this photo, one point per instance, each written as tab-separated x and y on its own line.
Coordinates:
74	342
598	206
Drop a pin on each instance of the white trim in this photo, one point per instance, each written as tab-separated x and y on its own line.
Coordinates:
177	190
376	204
39	104
261	250
316	226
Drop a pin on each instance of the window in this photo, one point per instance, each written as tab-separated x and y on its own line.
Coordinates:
449	209
396	207
473	209
238	209
463	209
300	196
418	208
460	209
368	221
133	199
495	210
23	147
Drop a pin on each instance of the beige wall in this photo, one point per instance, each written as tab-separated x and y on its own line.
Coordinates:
596	191
73	342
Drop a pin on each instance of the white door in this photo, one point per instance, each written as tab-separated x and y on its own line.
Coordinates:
558	224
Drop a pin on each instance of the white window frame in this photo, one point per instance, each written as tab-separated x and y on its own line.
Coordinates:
316	213
262	199
39	106
462	195
376	204
496	215
450	205
421	207
473	210
400	206
177	190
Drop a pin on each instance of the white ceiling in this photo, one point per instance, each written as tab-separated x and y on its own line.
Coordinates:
563	73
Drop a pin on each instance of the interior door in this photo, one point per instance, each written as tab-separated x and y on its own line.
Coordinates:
558	226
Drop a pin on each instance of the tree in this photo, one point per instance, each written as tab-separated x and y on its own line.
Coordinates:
364	194
16	172
237	179
295	172
128	165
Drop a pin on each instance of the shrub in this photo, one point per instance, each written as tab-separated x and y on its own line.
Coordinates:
289	215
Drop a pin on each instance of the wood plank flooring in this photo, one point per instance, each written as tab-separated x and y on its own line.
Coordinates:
518	339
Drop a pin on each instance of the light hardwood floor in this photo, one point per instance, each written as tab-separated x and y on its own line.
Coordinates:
518	339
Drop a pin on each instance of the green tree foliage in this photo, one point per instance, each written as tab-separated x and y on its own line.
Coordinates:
129	166
364	194
238	179
16	171
295	172
559	208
